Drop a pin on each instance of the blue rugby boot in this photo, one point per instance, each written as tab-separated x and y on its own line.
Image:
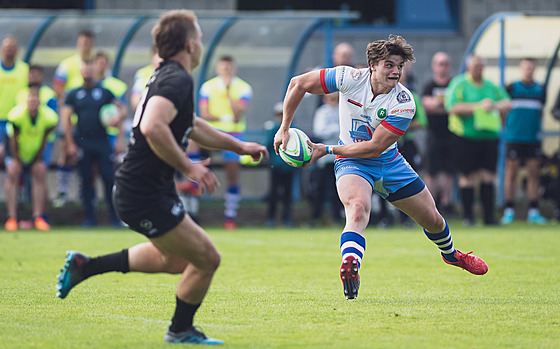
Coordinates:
72	273
190	336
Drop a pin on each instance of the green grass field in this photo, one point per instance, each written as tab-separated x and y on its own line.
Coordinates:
280	289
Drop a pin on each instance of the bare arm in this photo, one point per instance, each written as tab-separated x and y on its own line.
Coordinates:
382	139
209	137
159	113
433	105
300	85
66	119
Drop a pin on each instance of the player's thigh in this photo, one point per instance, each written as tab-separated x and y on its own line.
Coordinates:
189	241
354	190
422	208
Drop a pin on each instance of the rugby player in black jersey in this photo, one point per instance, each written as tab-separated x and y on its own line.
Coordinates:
145	196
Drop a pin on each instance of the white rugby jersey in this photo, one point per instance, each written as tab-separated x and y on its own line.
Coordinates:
359	115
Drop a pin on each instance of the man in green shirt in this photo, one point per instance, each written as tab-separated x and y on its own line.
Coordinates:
476	107
29	127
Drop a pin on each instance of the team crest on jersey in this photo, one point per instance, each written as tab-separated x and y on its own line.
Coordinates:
361	131
81	94
96	94
403	97
382	113
356	74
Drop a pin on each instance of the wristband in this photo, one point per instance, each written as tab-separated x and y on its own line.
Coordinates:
329	149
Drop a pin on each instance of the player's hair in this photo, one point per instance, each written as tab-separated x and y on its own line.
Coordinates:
395	45
530	59
87	33
102	54
172	31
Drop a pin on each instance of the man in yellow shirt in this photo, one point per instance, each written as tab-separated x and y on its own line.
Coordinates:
29	127
223	102
13	77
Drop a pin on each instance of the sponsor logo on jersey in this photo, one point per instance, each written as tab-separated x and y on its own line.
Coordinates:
361	131
342	72
403	97
407	110
382	113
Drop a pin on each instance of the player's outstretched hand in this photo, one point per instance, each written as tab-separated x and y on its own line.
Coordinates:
281	139
318	150
257	151
201	174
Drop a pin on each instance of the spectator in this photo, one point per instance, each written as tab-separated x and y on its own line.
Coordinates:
13	77
343	54
92	140
223	102
29	127
118	88
475	105
47	97
439	157
67	77
141	78
326	130
281	177
523	143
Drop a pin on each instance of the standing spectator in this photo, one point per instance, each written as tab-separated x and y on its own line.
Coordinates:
223	102
29	127
47	97
141	78
13	77
118	88
281	177
67	77
91	139
343	54
326	130
475	105
523	142
439	157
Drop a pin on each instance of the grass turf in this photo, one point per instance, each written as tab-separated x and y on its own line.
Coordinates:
280	289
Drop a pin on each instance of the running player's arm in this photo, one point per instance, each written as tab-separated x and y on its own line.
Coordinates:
154	125
382	139
209	137
299	85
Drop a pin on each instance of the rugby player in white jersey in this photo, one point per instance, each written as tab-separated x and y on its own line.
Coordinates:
375	110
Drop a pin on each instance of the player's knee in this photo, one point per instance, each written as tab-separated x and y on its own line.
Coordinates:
213	260
358	211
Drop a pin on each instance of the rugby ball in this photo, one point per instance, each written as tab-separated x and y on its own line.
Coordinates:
298	152
107	114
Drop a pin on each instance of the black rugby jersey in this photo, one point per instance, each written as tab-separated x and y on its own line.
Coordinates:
142	170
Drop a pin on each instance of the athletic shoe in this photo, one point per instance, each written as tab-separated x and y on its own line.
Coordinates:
229	224
41	224
469	262
508	216
11	224
192	336
72	273
536	218
350	277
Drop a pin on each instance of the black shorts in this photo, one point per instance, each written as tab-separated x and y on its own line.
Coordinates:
523	151
152	215
472	155
441	151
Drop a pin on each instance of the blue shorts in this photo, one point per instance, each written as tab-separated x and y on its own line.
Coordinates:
229	156
392	180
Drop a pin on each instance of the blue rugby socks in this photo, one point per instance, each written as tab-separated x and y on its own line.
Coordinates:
444	242
352	244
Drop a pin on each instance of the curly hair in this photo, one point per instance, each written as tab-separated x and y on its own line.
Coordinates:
172	31
395	45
